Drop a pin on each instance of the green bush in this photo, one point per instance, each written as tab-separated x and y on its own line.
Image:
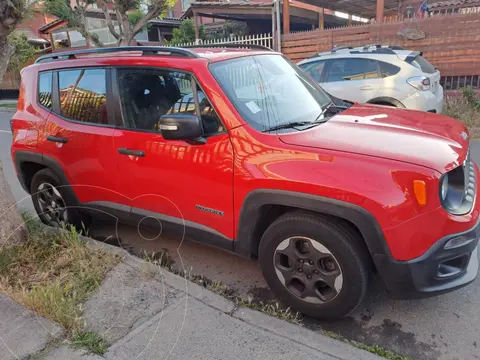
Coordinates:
465	108
186	33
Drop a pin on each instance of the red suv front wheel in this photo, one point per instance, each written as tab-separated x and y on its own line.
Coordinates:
315	264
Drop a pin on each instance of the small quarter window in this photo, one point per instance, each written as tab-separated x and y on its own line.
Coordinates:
83	95
45	89
388	69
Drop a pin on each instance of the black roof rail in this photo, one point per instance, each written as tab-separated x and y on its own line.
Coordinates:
366	47
228	46
335	49
396	47
145	50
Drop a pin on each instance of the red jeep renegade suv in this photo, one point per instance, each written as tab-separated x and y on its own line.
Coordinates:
240	149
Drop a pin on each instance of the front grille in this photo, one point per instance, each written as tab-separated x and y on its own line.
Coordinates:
470	180
462	190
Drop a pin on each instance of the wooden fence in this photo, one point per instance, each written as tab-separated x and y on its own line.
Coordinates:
451	43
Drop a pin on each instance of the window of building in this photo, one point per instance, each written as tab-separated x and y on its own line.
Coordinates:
146	95
352	69
76	39
45	89
60	40
68	39
83	95
100	28
185	4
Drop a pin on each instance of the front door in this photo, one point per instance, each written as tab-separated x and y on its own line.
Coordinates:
174	184
78	135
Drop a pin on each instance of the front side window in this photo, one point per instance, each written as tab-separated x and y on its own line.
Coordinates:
352	69
148	94
83	95
314	69
45	89
269	91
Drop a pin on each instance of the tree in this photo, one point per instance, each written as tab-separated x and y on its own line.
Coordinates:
132	16
185	33
24	52
12	13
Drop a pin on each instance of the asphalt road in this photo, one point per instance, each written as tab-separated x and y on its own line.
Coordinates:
446	327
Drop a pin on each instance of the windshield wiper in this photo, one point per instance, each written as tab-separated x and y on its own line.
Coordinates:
288	125
324	110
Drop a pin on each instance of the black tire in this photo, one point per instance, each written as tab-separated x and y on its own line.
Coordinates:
340	240
74	215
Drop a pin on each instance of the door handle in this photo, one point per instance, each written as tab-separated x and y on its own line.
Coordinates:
125	151
57	139
366	87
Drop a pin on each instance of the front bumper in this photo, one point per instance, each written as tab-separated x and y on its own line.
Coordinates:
437	271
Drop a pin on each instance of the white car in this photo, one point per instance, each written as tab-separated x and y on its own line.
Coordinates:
383	75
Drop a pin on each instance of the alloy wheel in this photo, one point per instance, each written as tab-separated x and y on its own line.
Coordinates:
52	204
308	270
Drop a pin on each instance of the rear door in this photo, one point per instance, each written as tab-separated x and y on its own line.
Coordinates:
352	79
78	134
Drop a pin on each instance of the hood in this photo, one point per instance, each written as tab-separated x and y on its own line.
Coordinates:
420	138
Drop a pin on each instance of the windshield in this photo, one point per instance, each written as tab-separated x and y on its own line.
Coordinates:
269	91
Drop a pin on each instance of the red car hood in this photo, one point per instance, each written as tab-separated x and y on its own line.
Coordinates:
421	138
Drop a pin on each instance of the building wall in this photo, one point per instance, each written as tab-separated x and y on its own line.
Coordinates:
178	12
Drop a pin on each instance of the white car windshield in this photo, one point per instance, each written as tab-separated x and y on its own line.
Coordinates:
269	91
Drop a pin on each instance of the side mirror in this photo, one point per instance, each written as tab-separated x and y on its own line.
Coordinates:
180	127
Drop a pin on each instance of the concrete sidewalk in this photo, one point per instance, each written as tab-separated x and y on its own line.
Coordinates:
146	312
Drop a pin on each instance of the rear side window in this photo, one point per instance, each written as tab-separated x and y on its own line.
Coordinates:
352	69
45	89
314	69
387	69
422	64
83	95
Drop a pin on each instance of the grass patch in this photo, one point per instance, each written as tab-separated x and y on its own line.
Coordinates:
465	108
53	273
90	341
10	106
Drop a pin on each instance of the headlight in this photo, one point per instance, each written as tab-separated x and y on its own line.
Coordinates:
444	187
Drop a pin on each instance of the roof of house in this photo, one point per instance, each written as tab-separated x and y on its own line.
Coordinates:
454	3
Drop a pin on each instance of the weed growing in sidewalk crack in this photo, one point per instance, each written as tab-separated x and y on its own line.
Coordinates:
375	349
53	272
90	341
272	309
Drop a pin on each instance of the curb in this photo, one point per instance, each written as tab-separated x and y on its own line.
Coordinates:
7	110
280	328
